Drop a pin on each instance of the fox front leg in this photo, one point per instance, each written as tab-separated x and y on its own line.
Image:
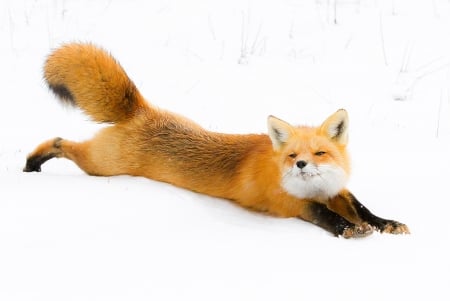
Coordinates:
346	204
320	215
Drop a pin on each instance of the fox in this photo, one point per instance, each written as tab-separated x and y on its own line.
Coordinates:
290	172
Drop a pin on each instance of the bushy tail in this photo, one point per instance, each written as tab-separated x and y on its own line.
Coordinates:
90	78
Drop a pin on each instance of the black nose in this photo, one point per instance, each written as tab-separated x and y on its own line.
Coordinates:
300	164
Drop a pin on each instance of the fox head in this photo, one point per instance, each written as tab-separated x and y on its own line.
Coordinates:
313	160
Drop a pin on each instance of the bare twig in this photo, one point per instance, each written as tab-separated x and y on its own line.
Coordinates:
417	75
406	57
257	42
291	29
440	61
11	28
433	70
383	48
439	114
335	11
243	57
211	27
448	85
256	39
394	12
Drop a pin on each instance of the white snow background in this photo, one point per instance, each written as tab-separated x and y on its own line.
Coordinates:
228	64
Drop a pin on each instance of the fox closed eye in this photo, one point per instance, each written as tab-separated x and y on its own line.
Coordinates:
320	153
293	155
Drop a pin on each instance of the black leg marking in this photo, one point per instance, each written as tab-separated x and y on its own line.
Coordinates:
34	162
381	224
336	224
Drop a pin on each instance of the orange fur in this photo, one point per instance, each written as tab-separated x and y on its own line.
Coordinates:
261	172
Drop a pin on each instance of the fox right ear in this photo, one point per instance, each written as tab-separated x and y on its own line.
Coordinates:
336	127
279	131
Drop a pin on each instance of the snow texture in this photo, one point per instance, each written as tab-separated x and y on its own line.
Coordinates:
228	65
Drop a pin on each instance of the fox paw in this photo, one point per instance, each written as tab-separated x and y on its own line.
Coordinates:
394	227
356	231
44	152
34	163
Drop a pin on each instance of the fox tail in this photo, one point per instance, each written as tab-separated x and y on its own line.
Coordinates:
88	77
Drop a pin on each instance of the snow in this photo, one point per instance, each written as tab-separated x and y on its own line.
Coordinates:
228	65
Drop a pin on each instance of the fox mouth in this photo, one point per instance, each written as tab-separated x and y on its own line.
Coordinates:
305	175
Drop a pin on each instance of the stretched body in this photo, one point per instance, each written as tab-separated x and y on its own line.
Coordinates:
291	172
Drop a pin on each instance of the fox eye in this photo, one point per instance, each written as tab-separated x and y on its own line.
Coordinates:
292	155
320	153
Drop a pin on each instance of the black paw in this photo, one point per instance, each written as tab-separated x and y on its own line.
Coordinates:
34	163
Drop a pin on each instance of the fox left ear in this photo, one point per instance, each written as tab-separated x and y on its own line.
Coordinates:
335	127
279	131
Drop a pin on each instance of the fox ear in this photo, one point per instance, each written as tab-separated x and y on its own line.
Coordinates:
279	131
335	127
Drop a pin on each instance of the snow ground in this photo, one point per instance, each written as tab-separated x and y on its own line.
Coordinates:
227	65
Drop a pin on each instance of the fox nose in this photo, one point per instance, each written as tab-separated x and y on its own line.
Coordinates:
300	164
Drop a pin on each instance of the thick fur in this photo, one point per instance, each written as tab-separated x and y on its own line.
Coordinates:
292	172
91	79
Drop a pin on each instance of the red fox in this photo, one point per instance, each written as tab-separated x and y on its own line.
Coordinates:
291	172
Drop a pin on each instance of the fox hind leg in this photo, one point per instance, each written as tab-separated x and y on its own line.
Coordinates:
57	148
44	152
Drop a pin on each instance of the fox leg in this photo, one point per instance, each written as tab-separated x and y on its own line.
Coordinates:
58	148
346	205
320	215
44	152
